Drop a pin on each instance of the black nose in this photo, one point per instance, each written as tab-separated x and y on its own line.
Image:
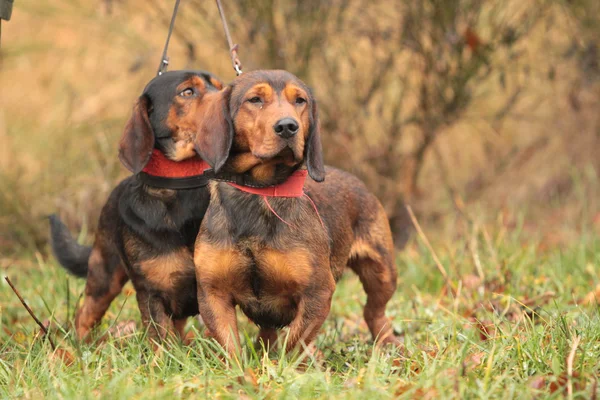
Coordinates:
286	127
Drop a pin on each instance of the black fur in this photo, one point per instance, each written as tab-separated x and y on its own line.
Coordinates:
70	254
139	224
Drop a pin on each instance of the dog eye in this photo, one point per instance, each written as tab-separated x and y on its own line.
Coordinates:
300	100
187	92
254	100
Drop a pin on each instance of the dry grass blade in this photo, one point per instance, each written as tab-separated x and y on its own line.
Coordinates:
570	360
475	254
421	234
30	311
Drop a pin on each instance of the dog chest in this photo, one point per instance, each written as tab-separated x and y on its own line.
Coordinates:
274	283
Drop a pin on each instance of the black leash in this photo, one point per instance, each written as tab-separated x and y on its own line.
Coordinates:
5	13
233	48
164	63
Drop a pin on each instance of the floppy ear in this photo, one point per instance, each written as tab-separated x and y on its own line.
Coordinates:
215	129
314	150
137	142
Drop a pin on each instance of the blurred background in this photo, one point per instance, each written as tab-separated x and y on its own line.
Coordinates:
481	111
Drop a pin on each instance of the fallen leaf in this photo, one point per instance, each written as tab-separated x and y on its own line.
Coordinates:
403	388
249	377
486	328
352	383
19	337
474	360
592	297
556	383
596	220
539	300
471	282
538	382
65	356
472	39
419	393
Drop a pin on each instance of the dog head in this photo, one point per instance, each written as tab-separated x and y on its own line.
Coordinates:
165	117
266	125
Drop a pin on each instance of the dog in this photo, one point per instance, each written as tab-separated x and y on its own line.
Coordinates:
273	242
148	226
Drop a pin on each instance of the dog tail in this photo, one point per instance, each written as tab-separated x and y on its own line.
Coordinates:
71	255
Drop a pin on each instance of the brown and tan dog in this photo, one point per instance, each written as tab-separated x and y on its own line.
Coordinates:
279	258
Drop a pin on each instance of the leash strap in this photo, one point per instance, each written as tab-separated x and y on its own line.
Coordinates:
164	62
233	48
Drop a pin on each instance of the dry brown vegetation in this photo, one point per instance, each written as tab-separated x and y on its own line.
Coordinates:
447	104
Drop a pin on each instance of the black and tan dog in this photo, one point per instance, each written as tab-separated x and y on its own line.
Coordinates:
148	226
279	255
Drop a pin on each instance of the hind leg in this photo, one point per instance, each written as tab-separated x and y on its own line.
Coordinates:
105	280
379	281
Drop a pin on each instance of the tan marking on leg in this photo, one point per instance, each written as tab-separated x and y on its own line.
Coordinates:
219	272
362	249
160	270
95	305
378	275
219	314
379	284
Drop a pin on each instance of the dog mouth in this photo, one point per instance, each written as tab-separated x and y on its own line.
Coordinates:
284	153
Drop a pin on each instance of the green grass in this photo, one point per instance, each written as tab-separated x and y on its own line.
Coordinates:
506	336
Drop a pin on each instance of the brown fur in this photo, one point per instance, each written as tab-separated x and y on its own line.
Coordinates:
284	274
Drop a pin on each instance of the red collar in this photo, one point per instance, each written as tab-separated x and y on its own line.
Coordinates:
292	187
160	165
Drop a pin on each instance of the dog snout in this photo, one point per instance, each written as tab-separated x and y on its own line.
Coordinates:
286	127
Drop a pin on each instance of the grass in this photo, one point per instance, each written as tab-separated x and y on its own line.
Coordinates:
512	325
520	332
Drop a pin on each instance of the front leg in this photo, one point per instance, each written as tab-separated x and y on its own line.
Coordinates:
267	337
219	270
313	310
218	313
154	316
